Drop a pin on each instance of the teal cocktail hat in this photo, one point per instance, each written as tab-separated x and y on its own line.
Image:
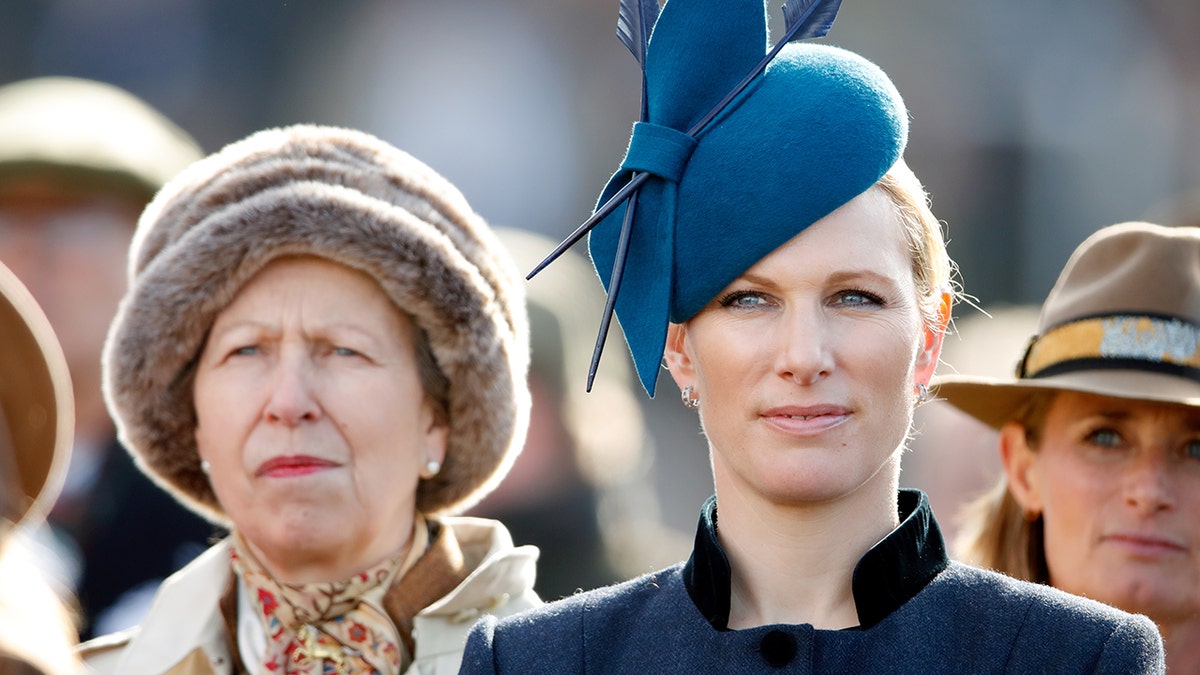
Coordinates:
739	149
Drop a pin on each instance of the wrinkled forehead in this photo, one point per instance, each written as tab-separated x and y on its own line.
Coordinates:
322	293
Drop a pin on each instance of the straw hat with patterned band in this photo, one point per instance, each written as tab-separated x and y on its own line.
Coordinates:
1122	320
89	134
37	410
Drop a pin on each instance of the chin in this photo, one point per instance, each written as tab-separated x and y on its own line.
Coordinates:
1158	596
810	487
304	538
835	480
300	529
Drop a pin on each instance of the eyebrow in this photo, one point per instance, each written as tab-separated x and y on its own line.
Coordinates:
217	331
853	275
841	276
322	330
1191	422
1112	415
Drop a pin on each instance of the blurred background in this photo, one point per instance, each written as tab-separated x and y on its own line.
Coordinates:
1033	124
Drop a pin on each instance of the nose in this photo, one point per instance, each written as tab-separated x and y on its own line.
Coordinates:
803	349
1147	483
292	396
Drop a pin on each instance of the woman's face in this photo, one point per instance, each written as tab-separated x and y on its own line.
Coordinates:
1118	485
311	413
806	365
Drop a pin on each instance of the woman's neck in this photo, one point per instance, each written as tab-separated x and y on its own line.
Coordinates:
1181	641
319	565
795	564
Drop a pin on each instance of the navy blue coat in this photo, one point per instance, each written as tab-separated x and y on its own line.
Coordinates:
920	613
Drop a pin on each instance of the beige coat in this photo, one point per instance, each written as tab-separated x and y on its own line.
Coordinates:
184	633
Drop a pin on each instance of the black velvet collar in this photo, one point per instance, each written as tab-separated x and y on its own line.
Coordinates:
887	576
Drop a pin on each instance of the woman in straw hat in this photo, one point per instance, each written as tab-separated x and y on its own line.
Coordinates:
36	418
324	349
1100	436
785	261
79	160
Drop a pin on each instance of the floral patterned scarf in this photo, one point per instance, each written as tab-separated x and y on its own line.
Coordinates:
326	628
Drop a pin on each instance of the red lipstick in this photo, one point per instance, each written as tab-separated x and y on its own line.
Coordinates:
292	465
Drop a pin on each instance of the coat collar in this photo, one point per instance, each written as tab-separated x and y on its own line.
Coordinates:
888	575
185	614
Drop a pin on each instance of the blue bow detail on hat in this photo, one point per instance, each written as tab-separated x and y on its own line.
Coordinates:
738	153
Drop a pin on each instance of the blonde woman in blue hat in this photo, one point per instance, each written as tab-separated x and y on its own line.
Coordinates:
784	260
1100	436
79	160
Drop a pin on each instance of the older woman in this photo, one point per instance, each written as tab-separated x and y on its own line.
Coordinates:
790	269
37	636
1100	436
324	349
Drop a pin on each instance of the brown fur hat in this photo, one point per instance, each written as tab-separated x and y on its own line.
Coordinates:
351	198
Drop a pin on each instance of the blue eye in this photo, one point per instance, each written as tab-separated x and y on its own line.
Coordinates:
249	350
344	351
857	297
743	299
1105	438
1192	449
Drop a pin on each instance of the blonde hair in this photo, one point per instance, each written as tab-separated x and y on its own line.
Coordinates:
996	532
933	271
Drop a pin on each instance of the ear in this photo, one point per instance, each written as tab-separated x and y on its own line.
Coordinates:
437	434
679	361
1022	468
931	343
201	443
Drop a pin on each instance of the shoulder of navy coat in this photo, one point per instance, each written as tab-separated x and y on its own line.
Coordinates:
966	620
919	613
